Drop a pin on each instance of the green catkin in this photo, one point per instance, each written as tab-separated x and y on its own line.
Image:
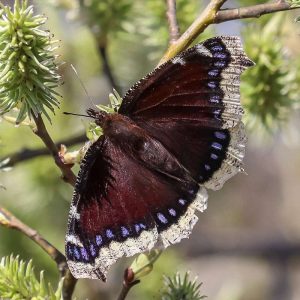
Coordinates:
28	73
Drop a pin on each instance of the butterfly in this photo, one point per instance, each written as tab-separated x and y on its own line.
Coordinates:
177	132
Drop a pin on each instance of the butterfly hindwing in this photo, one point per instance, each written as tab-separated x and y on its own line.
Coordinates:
121	207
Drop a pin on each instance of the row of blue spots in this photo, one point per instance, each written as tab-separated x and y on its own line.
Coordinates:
220	135
125	232
220	55
215	72
80	253
83	254
172	212
219	51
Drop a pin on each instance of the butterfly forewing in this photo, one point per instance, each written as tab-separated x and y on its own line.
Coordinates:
192	105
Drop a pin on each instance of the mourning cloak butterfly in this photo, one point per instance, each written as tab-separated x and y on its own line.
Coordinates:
177	132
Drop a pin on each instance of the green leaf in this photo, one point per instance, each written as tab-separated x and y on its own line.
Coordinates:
177	288
18	281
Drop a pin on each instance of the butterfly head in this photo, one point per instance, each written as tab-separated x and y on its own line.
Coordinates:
99	116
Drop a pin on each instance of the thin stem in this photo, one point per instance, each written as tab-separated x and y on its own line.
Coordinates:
199	25
43	134
106	67
172	21
125	289
254	11
28	154
7	219
128	283
213	14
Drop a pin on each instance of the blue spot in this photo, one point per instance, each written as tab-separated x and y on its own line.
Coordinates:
124	231
76	252
216	146
217	112
109	234
217	48
220	135
220	63
137	228
212	84
98	240
143	226
92	250
214	156
182	201
215	98
207	167
162	218
84	253
220	55
172	212
70	251
213	72
192	191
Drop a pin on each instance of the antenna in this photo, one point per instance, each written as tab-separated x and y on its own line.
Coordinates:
79	115
83	86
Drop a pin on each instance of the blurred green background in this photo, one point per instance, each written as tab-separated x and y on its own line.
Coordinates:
246	246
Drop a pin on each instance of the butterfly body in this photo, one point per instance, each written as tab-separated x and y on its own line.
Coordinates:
123	132
177	132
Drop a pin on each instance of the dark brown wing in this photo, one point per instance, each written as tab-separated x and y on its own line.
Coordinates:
191	104
120	208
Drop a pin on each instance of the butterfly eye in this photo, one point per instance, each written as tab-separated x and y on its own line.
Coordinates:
108	123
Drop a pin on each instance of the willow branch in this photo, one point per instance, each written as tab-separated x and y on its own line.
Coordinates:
254	11
7	219
106	67
199	25
125	290
213	14
28	154
43	134
172	21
